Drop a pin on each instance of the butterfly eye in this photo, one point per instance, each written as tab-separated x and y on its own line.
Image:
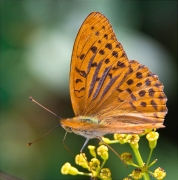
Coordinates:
68	129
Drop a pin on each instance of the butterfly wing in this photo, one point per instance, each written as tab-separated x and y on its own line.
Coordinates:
93	54
106	85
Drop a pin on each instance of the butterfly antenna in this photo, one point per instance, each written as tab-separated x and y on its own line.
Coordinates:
43	136
112	150
66	145
44	107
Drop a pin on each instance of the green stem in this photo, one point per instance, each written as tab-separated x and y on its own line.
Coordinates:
104	161
139	160
151	164
146	176
149	157
98	171
137	155
84	174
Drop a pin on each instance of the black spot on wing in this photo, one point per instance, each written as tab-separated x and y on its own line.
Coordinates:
143	104
107	61
93	49
115	54
96	33
129	91
142	93
78	80
130	81
139	84
147	82
151	92
109	46
152	102
119	90
110	75
106	36
94	64
82	56
138	75
120	64
101	52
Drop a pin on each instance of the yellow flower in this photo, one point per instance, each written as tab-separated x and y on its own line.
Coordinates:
159	173
121	138
81	160
132	139
137	174
127	158
152	138
105	174
102	151
68	169
94	164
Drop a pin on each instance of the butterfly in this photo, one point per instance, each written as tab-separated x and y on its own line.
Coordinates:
110	93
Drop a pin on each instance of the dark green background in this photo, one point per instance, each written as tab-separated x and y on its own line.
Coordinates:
36	46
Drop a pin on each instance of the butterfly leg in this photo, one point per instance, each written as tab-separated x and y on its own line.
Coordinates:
86	141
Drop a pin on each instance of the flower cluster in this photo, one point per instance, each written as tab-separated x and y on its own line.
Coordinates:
142	169
94	166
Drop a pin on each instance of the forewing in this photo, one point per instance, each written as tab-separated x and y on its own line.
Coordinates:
96	50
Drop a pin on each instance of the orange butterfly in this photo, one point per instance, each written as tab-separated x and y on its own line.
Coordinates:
109	93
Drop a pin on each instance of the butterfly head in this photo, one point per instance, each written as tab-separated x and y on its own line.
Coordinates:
68	128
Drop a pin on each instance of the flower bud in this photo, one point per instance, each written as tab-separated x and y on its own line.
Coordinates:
92	150
106	140
68	169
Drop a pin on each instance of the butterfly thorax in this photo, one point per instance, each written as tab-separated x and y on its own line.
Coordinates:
82	125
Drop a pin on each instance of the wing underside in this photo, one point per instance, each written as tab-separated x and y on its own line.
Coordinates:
106	85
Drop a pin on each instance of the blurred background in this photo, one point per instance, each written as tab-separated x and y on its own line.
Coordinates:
36	45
